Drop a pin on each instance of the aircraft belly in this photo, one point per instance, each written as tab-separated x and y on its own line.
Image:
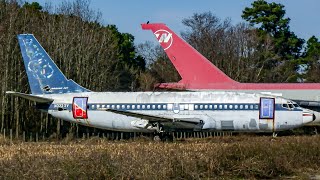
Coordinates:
100	119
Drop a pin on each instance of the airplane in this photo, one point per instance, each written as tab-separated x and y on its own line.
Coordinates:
153	112
198	73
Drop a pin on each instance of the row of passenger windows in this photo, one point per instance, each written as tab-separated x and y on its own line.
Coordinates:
225	106
132	106
177	106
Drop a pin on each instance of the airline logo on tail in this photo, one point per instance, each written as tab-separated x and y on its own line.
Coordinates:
193	67
165	38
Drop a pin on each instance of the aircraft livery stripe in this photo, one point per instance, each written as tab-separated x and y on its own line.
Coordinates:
172	106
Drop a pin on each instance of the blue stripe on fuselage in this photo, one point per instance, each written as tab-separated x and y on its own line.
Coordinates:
164	106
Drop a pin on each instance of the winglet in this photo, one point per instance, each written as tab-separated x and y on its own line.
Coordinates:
190	64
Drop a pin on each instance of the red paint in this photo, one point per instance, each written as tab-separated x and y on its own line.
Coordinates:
197	72
79	108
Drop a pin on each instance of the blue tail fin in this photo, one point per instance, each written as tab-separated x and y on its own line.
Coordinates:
43	74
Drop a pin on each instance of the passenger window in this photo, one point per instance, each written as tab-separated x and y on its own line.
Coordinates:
220	106
164	106
195	106
123	106
191	107
113	106
210	106
118	106
206	106
236	106
230	106
159	106
148	106
246	106
133	106
92	107
251	106
225	106
138	106
128	106
241	106
98	106
108	106
201	106
215	106
143	106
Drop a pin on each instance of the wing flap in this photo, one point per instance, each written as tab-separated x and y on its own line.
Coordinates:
30	97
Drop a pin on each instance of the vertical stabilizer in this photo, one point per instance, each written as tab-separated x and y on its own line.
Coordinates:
191	65
43	74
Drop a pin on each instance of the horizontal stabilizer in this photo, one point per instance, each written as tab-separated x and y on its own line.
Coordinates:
30	97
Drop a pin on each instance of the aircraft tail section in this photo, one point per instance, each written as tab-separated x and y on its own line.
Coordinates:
191	65
43	74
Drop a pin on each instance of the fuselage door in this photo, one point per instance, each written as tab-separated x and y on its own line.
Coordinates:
267	108
266	114
79	107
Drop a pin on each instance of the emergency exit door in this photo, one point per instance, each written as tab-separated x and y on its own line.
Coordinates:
79	107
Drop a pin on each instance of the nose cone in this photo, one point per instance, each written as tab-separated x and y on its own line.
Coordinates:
307	117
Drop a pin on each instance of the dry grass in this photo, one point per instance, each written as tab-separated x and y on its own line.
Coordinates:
219	157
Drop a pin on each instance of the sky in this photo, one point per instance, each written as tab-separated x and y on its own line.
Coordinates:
127	15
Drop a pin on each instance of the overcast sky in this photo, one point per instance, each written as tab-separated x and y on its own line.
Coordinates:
127	15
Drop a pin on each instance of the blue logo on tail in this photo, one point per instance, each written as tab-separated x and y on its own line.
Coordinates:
43	74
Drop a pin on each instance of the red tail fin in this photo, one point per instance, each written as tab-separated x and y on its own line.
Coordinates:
191	65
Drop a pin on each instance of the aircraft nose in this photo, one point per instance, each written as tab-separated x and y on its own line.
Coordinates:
307	117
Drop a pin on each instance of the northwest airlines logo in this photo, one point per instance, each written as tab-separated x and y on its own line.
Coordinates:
164	38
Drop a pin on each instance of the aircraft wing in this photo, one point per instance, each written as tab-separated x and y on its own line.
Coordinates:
30	97
177	122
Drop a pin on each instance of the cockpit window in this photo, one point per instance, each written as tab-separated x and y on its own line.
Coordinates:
296	105
285	105
291	105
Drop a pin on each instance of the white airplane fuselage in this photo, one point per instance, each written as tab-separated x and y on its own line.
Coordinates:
217	110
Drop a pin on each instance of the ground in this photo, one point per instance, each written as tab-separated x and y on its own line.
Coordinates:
248	156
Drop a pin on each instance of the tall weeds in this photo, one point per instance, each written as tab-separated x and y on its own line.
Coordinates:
219	157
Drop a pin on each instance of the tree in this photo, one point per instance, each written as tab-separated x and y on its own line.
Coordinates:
270	19
33	6
311	58
235	49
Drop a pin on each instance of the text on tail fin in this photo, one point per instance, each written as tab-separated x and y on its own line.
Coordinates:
43	74
192	66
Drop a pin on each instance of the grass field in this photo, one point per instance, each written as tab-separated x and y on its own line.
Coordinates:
249	157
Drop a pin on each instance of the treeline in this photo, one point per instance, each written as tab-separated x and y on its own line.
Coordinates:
101	58
97	56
